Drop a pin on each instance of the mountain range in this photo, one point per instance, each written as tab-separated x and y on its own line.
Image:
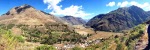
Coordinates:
117	20
120	19
37	28
74	20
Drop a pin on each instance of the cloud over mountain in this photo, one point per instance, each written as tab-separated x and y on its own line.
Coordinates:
111	4
72	10
145	5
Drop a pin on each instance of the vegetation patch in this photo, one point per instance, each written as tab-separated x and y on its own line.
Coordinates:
127	42
45	47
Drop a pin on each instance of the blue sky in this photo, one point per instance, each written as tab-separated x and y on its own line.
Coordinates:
79	8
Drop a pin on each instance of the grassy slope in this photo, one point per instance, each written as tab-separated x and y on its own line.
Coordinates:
126	42
10	41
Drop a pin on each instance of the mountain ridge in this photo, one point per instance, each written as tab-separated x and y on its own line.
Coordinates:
27	11
120	19
73	20
27	15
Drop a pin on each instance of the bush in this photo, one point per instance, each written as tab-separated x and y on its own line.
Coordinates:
90	48
121	47
45	47
9	26
76	48
8	41
20	39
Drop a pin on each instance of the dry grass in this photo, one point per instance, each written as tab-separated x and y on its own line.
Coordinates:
96	35
27	46
82	30
16	31
101	34
8	42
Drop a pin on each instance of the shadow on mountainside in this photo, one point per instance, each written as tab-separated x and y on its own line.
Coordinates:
148	31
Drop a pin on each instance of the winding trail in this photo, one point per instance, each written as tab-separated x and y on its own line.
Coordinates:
148	31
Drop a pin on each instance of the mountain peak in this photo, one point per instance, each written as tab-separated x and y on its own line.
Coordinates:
71	17
25	6
135	8
19	9
67	16
120	19
73	20
124	10
26	14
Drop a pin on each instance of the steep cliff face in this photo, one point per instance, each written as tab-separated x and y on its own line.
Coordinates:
120	19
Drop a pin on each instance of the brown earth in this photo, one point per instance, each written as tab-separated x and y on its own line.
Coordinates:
142	43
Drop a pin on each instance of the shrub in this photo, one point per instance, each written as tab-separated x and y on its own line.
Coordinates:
45	47
8	41
20	39
76	48
9	26
121	47
90	48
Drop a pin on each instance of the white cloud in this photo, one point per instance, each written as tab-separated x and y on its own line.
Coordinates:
123	4
111	4
145	6
73	10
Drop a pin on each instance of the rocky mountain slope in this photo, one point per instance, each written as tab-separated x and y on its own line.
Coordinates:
73	20
37	26
120	19
27	15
